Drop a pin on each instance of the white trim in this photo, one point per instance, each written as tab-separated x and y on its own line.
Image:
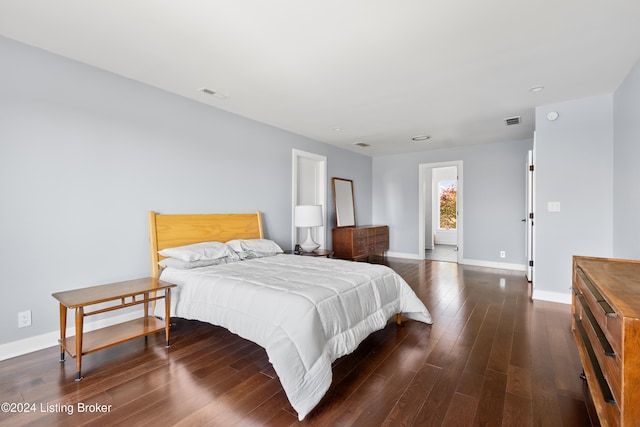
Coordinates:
403	255
496	265
530	212
49	339
558	297
472	262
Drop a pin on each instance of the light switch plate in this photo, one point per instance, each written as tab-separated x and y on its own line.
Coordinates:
553	207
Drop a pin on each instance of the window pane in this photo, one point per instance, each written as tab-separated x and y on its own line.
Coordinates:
447	192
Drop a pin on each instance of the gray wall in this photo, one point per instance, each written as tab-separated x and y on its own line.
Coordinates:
85	154
626	173
573	160
493	198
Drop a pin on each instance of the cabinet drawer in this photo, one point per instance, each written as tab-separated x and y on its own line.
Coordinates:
608	360
604	314
360	233
360	243
382	238
381	247
359	250
381	231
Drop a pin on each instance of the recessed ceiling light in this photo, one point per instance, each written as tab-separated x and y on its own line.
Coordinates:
421	137
337	129
212	92
536	89
361	144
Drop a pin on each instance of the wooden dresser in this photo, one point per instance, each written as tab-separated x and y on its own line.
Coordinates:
606	327
357	243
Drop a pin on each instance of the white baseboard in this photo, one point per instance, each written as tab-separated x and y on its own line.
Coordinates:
493	264
402	255
476	263
49	339
551	296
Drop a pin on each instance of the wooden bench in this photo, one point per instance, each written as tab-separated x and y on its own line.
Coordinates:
128	293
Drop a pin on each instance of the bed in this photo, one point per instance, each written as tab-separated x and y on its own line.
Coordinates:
305	311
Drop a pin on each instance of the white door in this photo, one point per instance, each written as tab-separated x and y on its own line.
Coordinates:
529	216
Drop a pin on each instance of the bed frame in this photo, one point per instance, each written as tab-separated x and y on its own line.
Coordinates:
171	230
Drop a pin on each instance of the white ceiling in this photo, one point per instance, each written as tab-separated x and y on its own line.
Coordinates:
380	70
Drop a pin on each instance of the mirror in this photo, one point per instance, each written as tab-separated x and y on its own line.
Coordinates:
343	198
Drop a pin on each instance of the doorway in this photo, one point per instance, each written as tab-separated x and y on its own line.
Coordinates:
309	187
440	230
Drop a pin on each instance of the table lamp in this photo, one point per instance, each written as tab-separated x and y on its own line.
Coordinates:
308	216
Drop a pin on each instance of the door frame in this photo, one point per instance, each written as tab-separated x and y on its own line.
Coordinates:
530	214
424	171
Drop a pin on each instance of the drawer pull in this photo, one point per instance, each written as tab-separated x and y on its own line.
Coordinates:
608	350
608	311
602	382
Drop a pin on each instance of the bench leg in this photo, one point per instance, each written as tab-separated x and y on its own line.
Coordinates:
63	329
79	332
167	315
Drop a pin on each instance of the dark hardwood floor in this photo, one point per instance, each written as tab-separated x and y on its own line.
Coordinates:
492	357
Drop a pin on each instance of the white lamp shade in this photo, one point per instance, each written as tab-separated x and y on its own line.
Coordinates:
308	216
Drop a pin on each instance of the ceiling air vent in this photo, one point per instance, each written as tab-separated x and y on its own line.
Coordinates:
510	121
213	93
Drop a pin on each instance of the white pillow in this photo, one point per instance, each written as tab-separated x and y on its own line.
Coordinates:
185	265
254	248
259	245
199	251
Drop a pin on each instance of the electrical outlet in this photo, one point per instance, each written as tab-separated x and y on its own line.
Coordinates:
24	319
503	254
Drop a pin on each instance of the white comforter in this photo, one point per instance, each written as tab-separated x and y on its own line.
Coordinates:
305	311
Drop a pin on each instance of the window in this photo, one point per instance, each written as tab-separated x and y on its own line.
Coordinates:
447	192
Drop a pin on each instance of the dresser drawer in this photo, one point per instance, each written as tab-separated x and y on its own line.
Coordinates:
360	233
600	308
381	247
382	231
359	250
382	238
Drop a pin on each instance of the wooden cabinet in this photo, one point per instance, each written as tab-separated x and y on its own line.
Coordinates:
357	243
606	327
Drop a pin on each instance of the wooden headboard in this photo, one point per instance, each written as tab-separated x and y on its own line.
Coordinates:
171	230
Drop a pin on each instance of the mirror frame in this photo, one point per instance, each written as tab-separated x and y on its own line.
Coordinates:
343	202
